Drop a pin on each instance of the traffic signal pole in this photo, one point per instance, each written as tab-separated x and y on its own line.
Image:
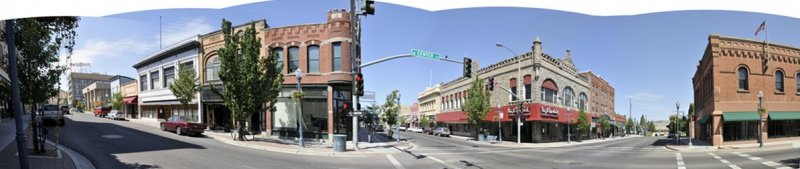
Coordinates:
354	42
15	98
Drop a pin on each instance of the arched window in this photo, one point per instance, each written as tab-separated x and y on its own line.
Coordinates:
779	81
513	85
313	59
527	81
743	83
549	91
279	53
568	97
212	69
582	99
294	59
797	79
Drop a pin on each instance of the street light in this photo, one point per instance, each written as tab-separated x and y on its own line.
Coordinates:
299	74
519	66
677	118
760	100
397	127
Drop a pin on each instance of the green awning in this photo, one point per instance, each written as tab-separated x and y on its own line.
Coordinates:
784	115
704	120
740	116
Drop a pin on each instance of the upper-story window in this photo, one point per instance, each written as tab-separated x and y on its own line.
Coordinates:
143	83
313	59
779	81
187	65
582	99
528	91
549	91
212	69
337	56
294	59
568	96
279	53
169	76
154	80
743	82
513	85
797	79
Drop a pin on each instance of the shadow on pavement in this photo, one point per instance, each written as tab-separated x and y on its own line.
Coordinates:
470	165
792	162
99	142
662	142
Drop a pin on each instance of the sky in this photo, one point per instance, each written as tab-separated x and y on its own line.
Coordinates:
649	58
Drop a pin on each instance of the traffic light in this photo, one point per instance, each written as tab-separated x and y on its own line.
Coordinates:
467	67
368	8
359	84
491	84
344	108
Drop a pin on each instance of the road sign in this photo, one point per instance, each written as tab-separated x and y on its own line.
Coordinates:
425	54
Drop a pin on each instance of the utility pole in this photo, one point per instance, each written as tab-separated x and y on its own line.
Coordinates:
353	56
12	67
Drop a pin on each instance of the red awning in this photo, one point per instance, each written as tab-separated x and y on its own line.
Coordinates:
130	100
550	85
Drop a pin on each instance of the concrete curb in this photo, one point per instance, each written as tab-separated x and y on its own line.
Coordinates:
78	159
543	145
303	152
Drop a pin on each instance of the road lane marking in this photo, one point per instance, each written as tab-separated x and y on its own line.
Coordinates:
394	162
761	160
733	166
679	158
439	161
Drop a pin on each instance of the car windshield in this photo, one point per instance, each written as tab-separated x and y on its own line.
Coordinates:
50	108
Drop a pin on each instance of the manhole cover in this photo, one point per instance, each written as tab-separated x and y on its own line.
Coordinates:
112	136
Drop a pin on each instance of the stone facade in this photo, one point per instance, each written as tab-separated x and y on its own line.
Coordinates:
717	89
430	102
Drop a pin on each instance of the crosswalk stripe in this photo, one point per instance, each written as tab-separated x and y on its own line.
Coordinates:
679	160
763	161
733	166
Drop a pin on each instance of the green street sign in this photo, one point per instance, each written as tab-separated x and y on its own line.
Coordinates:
425	54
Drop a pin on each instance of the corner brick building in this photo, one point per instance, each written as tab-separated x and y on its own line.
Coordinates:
729	76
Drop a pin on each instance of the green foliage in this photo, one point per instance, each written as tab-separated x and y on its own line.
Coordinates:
116	101
629	125
643	123
681	124
185	87
477	105
604	126
424	121
390	108
651	126
403	120
248	79
583	122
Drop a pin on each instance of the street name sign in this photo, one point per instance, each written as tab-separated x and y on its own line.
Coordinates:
425	54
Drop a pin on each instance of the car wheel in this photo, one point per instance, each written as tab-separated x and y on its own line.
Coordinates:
178	130
163	128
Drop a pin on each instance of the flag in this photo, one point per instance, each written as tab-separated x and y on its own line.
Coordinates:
761	27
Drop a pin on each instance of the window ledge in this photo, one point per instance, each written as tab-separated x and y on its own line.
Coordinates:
780	93
743	91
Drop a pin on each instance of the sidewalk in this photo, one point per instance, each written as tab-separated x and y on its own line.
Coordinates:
381	145
700	146
543	145
697	146
56	157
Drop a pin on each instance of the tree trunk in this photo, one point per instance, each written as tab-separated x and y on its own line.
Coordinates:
240	129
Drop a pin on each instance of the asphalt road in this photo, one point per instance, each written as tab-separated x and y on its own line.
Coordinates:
121	144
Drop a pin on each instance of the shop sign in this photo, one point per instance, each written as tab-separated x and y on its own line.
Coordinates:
549	112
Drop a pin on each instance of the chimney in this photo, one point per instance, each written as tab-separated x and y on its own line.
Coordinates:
537	47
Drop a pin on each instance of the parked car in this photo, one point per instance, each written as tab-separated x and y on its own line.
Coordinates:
402	128
427	130
64	109
51	114
102	111
379	128
181	126
442	131
116	114
417	130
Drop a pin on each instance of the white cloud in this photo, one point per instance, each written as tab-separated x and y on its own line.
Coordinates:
91	50
175	32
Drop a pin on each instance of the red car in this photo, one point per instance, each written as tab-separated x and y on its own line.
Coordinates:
102	111
181	125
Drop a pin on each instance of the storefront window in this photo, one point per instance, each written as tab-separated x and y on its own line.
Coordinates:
739	130
783	128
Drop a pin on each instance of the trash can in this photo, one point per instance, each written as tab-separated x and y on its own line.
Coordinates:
339	141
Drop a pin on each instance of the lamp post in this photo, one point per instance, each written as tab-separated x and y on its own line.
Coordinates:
299	74
397	127
760	101
677	118
499	123
519	67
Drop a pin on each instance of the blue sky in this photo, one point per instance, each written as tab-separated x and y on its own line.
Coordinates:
649	58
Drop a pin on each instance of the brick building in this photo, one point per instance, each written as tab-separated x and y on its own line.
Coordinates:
729	76
602	102
551	89
320	50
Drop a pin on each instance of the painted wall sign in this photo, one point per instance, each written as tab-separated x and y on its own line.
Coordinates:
549	112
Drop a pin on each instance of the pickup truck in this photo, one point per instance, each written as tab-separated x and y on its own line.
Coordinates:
52	114
102	111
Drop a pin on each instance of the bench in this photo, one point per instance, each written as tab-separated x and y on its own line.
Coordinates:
491	138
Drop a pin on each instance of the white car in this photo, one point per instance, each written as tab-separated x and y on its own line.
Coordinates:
402	128
116	114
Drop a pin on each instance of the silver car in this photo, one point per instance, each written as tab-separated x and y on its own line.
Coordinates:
116	114
442	131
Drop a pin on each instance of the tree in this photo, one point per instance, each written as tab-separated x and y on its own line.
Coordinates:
185	87
403	120
390	109
629	125
583	123
116	101
248	79
39	41
651	127
643	123
424	121
604	126
477	105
